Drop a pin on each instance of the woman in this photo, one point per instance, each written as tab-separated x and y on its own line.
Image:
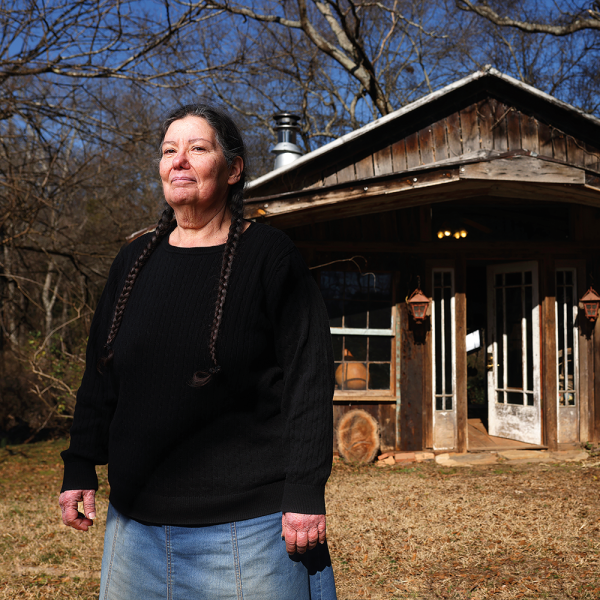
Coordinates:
212	401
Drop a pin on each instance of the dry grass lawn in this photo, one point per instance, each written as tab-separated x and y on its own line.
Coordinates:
526	531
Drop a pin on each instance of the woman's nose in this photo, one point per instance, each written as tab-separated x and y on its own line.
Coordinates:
180	161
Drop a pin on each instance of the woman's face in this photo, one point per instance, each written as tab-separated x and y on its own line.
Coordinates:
193	169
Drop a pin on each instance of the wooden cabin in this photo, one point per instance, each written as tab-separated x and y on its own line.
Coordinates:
486	196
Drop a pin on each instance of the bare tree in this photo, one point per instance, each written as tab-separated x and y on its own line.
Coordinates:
565	19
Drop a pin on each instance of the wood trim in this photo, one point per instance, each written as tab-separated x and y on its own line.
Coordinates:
549	366
460	311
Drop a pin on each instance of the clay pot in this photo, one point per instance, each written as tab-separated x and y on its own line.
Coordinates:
351	376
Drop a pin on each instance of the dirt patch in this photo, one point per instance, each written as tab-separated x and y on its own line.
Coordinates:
425	531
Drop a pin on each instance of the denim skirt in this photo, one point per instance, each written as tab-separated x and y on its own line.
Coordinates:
233	561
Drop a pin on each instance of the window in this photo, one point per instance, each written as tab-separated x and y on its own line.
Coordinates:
566	336
360	311
442	318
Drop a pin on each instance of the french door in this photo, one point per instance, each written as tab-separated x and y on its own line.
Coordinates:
514	398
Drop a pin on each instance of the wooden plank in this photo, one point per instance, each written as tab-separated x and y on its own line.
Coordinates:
413	158
453	135
559	144
411	383
387	426
364	167
529	134
426	146
486	122
524	168
460	313
513	126
346	174
595	413
549	364
575	152
440	144
585	360
592	158
499	127
382	160
470	129
545	140
399	156
330	179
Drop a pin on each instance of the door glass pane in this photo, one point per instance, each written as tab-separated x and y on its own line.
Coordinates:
448	339
529	328
514	398
514	279
437	297
499	358
514	333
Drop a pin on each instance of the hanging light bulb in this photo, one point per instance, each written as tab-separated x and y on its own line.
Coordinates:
463	233
456	234
440	234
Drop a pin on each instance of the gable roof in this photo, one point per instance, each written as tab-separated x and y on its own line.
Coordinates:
313	168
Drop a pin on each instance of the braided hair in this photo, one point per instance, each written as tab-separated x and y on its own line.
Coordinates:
232	145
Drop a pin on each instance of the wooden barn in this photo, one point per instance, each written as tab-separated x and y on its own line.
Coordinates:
486	196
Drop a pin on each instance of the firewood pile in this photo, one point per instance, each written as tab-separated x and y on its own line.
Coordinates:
388	459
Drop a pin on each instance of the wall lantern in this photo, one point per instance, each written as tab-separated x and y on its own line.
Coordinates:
591	303
417	305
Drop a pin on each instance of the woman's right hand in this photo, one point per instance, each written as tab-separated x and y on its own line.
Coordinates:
71	516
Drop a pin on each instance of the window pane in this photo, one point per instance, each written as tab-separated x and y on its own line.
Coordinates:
332	284
380	348
382	286
351	376
335	310
357	286
379	376
380	316
356	315
356	347
337	342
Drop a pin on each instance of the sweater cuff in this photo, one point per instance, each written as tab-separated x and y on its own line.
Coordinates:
303	499
79	475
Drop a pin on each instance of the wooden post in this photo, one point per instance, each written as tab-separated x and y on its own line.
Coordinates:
549	366
460	309
411	383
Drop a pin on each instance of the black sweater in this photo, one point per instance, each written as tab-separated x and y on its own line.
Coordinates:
255	440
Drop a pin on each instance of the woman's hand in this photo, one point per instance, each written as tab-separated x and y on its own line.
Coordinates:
302	532
71	516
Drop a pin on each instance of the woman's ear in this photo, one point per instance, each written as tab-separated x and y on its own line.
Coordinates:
235	170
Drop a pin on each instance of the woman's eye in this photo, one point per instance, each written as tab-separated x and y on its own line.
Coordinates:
168	151
198	148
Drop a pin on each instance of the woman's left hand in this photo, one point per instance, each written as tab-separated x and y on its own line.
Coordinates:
302	532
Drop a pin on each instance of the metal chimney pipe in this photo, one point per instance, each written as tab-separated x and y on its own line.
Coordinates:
286	151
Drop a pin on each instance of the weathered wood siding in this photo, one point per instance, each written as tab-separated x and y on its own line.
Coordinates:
488	125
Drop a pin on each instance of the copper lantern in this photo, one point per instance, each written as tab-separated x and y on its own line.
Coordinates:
591	303
418	304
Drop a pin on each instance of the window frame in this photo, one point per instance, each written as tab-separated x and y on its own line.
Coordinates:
367	395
